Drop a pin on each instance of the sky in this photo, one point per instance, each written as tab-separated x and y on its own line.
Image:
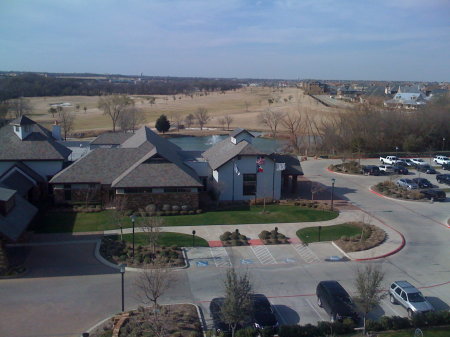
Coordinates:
288	39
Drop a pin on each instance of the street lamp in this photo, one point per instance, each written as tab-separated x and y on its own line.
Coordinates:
193	238
122	272
332	192
443	143
396	151
133	219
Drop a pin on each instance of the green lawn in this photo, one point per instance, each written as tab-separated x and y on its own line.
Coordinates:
427	332
54	222
327	233
167	239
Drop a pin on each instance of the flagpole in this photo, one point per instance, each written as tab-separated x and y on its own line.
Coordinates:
273	181
232	172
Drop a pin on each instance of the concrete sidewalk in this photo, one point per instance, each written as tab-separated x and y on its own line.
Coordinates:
212	233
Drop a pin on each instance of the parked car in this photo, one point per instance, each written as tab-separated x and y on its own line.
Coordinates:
441	160
401	162
386	168
263	316
410	297
407	183
371	170
215	309
426	169
418	161
408	162
443	178
389	159
446	167
332	297
400	169
437	195
423	182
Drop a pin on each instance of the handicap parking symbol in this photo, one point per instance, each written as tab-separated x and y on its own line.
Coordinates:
246	261
289	260
201	263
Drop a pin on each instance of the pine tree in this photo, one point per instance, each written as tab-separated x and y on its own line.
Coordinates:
162	124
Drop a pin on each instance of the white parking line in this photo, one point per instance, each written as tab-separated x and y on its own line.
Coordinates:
305	253
390	306
263	254
280	317
318	314
220	256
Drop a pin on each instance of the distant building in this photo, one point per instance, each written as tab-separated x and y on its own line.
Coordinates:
407	98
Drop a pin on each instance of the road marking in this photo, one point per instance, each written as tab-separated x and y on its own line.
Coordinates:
305	253
201	263
247	261
220	256
289	260
263	254
280	317
318	314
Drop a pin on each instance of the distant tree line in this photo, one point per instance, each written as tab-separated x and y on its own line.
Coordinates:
34	85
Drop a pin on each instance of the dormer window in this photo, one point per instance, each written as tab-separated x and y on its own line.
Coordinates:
16	128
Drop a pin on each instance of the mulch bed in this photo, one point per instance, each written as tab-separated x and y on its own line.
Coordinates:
273	237
234	239
372	236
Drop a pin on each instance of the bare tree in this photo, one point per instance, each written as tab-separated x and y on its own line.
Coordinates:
292	122
247	105
228	120
202	117
222	123
130	118
4	108
152	100
85	109
20	106
271	119
153	282
177	120
237	303
118	206
151	226
66	119
368	283
113	106
189	120
52	110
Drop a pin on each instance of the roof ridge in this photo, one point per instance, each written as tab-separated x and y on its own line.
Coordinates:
146	156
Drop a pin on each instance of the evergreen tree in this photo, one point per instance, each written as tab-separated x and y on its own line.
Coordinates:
162	124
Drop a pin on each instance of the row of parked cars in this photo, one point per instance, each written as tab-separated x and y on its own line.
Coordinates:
331	296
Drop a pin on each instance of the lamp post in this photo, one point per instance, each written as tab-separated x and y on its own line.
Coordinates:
193	238
443	143
319	228
133	220
122	272
396	151
332	192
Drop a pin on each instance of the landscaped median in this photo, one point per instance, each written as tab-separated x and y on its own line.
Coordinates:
390	189
350	236
58	222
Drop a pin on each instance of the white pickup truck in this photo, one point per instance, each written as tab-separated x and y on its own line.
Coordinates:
441	160
389	160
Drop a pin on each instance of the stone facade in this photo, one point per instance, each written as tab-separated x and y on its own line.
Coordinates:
135	201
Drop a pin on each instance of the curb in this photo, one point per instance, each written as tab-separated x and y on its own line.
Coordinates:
101	259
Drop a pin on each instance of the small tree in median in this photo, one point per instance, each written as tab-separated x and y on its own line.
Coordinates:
162	124
237	304
151	226
368	285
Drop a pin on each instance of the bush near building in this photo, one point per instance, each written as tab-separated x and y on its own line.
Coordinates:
234	239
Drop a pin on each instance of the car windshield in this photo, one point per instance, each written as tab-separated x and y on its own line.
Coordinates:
416	297
409	181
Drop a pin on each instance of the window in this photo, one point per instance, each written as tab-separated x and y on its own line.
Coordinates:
176	189
404	296
136	190
249	184
398	291
17	128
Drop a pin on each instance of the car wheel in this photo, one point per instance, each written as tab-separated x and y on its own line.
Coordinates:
319	302
410	313
392	298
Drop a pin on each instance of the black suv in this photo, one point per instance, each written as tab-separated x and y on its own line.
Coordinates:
437	195
400	169
443	178
336	301
426	169
371	170
446	167
423	183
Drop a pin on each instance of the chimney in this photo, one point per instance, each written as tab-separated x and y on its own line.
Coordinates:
56	131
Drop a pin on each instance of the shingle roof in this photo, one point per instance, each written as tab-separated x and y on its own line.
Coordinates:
22	120
225	150
17	220
17	181
39	145
111	138
238	131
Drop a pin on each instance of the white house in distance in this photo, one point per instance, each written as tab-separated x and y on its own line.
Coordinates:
240	171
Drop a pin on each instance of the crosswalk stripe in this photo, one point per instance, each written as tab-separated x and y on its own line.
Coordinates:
305	253
220	256
263	254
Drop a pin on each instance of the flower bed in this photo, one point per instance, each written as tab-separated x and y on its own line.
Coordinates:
234	239
390	189
370	236
273	237
351	167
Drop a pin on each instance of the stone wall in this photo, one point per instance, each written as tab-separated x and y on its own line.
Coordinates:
77	196
135	201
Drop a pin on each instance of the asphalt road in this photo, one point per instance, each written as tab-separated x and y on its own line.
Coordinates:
67	290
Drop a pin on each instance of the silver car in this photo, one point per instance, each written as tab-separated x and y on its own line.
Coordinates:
409	297
407	183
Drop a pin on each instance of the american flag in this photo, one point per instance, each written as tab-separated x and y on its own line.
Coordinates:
260	160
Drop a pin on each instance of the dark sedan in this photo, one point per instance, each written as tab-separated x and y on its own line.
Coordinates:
443	178
400	169
446	167
423	183
437	195
426	169
263	316
336	301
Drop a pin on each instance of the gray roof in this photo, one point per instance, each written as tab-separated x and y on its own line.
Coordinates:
238	131
293	165
222	152
17	220
111	138
22	120
134	164
19	182
38	145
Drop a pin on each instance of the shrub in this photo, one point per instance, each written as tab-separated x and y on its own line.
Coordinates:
191	212
184	212
400	323
150	208
199	211
185	208
176	208
166	207
264	235
247	332
373	325
225	236
235	235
